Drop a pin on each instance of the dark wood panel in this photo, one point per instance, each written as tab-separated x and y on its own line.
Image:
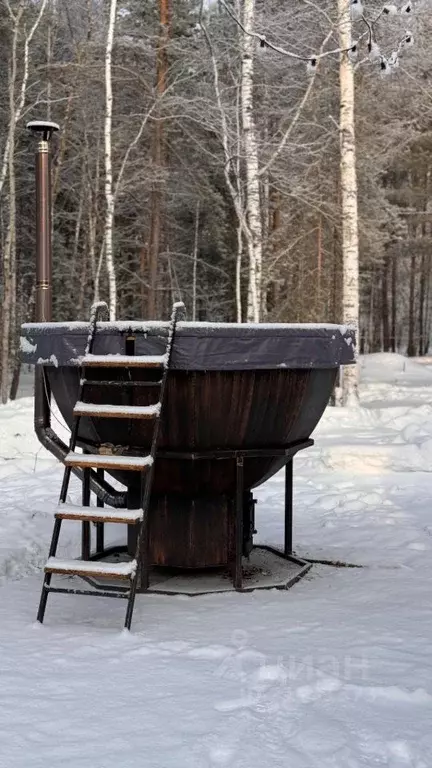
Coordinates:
207	411
190	533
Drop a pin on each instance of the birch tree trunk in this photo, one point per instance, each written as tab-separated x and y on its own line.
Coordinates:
239	229
22	90
394	303
238	273
231	168
349	201
17	98
424	271
8	284
250	152
385	305
411	348
195	262
109	191
9	248
422	297
94	214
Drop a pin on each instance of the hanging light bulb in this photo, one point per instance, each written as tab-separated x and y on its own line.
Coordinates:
393	61
374	51
312	65
353	52
384	67
357	9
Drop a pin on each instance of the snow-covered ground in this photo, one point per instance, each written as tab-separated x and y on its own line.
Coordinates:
335	673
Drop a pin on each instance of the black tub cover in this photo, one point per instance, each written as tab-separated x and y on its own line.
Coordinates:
198	346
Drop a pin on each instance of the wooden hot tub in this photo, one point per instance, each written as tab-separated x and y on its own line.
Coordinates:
255	391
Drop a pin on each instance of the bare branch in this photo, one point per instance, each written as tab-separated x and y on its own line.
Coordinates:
295	119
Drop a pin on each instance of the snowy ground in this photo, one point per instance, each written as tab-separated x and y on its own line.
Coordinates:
336	673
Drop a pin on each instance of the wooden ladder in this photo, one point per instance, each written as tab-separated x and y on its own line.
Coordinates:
138	567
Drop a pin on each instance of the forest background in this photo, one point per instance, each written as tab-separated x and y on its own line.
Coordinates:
197	162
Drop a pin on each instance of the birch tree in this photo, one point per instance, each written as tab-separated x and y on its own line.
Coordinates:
10	244
348	188
17	91
21	91
109	195
348	53
349	10
232	169
112	190
250	154
244	153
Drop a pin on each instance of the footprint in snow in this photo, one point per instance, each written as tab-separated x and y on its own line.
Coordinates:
401	755
321	737
175	646
210	652
315	691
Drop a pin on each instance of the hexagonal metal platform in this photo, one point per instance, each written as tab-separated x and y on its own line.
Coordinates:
266	568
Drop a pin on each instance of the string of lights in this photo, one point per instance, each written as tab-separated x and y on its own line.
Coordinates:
387	64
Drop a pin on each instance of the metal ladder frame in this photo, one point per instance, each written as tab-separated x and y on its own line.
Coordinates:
142	542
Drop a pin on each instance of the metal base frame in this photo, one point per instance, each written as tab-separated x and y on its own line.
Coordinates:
106	590
236	560
303	565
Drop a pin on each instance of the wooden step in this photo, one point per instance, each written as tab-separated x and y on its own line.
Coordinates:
108	461
99	514
123	361
106	411
91	568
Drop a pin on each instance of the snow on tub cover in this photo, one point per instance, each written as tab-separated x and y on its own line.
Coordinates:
198	346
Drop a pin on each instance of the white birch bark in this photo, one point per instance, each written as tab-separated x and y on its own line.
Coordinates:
77	233
109	191
239	230
195	262
249	228
349	198
231	169
9	248
250	151
239	256
17	97
15	115
114	193
92	236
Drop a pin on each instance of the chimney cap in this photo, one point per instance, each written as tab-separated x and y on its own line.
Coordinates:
45	127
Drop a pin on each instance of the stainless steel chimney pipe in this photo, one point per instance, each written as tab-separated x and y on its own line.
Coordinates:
44	129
